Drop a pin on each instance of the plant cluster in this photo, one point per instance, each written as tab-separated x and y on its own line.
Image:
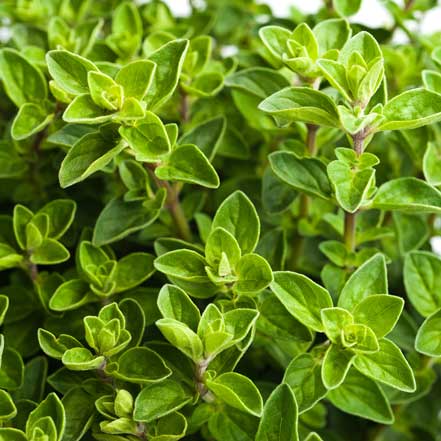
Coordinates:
218	227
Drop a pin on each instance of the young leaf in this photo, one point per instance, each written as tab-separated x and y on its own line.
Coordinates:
302	104
370	278
303	298
148	138
379	312
169	60
307	175
336	365
254	274
174	303
70	71
408	194
237	391
351	186
187	163
140	365
159	399
182	337
136	78
279	418
88	155
388	366
238	216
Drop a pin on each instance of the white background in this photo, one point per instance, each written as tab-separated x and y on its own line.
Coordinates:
371	13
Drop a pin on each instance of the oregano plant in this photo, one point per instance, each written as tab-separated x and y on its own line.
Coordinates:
222	226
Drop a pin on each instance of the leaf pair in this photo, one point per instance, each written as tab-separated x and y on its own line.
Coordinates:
229	259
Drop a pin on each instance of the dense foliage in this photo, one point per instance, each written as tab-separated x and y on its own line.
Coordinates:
218	227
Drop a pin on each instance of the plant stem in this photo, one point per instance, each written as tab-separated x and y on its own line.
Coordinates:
350	230
200	369
311	138
298	246
350	218
172	204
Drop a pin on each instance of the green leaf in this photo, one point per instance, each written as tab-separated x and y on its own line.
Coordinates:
428	339
254	274
388	366
275	39
302	104
70	295
334	321
187	163
182	337
220	242
303	298
379	312
412	109
30	119
363	43
258	81
49	252
431	164
159	399
79	407
336	365
136	78
61	213
238	216
361	396
140	365
332	34
184	264
120	218
237	391
422	278
104	91
7	406
83	110
408	194
12	369
346	8
148	138
9	434
9	257
88	155
132	270
207	136
175	304
70	71
370	278
307	175
304	377
81	359
279	418
23	82
56	347
351	185
51	407
169	60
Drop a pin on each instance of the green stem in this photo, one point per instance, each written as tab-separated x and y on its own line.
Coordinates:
350	230
350	218
173	204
